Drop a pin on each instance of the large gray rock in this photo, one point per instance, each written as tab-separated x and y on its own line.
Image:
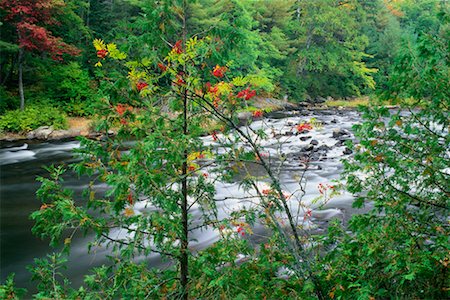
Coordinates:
308	148
308	99
63	134
339	132
42	133
347	151
323	148
244	117
304	138
320	99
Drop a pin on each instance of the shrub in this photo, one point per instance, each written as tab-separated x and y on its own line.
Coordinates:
31	118
8	101
70	89
400	248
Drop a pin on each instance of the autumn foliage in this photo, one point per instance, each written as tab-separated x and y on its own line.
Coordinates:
30	18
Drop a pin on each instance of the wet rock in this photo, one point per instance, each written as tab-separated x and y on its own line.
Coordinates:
303	132
339	144
347	151
304	138
334	121
323	148
63	134
244	117
94	135
42	133
320	100
339	132
308	148
288	133
308	99
315	156
314	142
304	104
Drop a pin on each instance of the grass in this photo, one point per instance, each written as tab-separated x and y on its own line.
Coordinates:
360	101
364	101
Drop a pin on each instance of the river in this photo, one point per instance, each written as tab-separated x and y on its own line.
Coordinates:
22	162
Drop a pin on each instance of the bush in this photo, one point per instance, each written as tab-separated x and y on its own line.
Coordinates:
31	118
8	101
70	89
400	249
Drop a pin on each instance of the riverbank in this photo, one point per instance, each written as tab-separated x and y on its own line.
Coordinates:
324	146
77	126
82	126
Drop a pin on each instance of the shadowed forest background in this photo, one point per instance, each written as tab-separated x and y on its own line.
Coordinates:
306	50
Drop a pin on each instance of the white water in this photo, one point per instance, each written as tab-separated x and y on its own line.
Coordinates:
21	165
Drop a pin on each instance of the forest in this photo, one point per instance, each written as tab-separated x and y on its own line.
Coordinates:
223	155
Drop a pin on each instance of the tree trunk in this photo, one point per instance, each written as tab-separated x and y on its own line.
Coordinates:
184	262
184	259
22	97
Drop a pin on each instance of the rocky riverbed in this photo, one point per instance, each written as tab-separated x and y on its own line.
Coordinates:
319	150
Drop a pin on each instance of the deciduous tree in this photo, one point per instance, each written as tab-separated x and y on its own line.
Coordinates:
31	19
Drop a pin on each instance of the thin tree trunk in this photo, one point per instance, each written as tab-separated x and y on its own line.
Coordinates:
184	259
184	263
22	97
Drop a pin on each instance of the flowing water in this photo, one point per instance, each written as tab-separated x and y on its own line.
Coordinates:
21	163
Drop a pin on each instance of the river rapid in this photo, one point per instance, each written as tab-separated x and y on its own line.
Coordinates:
22	162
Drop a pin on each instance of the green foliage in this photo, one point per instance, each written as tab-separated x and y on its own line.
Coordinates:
154	186
31	118
9	291
7	100
258	274
400	248
329	55
70	88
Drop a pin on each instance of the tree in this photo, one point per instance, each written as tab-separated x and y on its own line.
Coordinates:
328	60
400	248
154	186
169	178
30	19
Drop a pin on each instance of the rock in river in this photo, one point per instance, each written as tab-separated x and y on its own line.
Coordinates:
339	132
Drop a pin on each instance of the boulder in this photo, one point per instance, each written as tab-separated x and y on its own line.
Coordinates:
303	104
63	134
347	151
323	148
288	133
308	148
93	135
320	99
339	132
314	142
244	117
304	138
308	99
42	133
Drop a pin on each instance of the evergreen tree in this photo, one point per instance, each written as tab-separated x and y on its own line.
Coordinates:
329	50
